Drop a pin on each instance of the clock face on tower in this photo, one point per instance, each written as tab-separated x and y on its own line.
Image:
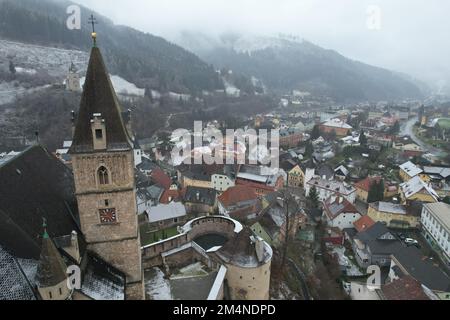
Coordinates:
108	215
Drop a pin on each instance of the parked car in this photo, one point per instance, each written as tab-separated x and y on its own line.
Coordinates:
411	242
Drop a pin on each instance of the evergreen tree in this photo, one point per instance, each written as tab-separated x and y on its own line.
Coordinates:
362	138
315	133
395	128
12	67
313	197
309	149
376	191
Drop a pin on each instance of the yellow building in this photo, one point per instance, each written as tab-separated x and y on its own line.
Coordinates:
296	176
409	170
393	215
417	190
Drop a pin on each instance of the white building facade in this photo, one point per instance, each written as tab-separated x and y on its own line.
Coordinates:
435	220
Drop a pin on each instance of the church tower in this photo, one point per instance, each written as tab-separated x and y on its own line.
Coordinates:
73	79
103	168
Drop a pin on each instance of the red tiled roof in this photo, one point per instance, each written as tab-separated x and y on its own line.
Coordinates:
406	288
363	223
161	178
174	195
366	183
237	194
347	207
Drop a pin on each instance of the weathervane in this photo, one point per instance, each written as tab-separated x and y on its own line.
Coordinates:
93	22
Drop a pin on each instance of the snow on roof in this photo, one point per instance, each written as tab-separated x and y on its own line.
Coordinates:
14	284
415	185
237	225
166	211
335	186
252	177
337	123
391	208
442	171
342	169
410	169
157	287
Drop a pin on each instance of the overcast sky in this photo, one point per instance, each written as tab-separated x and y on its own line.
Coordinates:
413	35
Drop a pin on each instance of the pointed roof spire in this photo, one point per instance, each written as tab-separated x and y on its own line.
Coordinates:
99	97
52	268
44	226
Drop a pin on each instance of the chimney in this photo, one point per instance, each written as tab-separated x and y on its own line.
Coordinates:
340	199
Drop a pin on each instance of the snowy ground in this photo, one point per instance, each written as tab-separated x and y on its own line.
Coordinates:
28	58
156	286
352	269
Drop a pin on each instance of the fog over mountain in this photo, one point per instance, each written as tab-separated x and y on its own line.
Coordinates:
412	37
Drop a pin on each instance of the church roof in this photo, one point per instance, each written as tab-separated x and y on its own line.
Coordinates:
52	268
35	185
99	97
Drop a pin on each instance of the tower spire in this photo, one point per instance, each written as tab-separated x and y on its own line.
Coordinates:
44	226
93	22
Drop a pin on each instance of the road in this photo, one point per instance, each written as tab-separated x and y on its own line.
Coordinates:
406	129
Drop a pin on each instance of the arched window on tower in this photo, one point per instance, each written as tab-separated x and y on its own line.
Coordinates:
103	176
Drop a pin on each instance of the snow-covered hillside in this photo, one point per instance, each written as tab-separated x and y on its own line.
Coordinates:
29	58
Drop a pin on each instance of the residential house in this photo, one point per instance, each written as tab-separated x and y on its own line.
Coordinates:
271	223
341	173
436	227
363	223
194	176
375	245
239	202
165	216
262	184
406	288
200	200
340	213
393	215
410	262
290	137
409	149
224	179
409	170
337	126
439	177
328	188
363	188
417	190
295	175
161	178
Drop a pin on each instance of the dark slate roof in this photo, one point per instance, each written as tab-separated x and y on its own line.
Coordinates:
14	284
52	269
99	97
371	237
325	170
422	269
200	195
35	184
101	281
